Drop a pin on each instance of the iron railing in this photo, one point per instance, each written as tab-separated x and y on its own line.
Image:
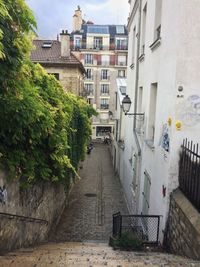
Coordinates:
189	172
144	227
22	218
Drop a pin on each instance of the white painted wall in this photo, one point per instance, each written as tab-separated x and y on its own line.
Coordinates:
175	62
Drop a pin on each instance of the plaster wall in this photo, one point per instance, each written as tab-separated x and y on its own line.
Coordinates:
171	64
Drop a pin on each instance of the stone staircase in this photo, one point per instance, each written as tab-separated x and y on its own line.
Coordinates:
90	254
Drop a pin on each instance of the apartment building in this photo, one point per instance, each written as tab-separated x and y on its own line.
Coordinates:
163	85
102	49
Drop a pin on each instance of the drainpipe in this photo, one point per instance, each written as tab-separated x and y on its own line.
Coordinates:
137	78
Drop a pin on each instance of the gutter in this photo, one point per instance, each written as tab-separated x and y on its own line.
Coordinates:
137	79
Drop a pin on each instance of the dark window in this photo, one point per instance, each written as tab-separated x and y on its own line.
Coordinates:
104	75
88	59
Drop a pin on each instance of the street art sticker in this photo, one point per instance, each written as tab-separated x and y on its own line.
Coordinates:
165	139
189	110
3	195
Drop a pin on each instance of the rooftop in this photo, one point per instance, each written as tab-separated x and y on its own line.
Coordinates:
48	52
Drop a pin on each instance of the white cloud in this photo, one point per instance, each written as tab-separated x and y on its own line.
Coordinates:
109	12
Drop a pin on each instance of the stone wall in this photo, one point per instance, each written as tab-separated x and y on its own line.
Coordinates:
43	200
183	233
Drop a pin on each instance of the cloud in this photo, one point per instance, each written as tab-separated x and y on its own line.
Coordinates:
52	16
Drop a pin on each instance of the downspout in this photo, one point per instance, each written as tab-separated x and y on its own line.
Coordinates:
136	93
137	78
120	130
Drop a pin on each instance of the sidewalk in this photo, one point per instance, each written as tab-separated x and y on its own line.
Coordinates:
93	200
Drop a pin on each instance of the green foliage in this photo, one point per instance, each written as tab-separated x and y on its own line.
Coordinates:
43	130
129	241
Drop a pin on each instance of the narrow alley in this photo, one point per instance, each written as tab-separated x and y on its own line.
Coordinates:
92	201
81	237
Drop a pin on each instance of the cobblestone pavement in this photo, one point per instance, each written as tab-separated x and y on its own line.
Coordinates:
92	201
89	255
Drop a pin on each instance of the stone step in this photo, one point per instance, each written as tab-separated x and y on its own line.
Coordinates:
90	255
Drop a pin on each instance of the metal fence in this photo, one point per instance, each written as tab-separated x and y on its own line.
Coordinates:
189	172
144	227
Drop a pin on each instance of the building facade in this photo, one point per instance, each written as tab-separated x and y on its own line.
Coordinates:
102	49
163	83
55	56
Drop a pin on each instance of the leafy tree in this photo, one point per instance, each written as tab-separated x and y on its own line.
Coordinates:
43	130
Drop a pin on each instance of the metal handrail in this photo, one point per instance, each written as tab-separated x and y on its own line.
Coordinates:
23	218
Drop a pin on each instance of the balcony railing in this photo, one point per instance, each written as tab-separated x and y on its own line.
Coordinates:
121	63
121	47
90	78
104	106
88	62
105	78
99	47
105	93
104	63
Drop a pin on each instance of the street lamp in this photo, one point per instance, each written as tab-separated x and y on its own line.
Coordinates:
126	105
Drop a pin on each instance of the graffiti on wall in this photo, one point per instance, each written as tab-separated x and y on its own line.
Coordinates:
3	195
165	139
189	110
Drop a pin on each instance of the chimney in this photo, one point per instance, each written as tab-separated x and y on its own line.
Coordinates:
65	43
77	19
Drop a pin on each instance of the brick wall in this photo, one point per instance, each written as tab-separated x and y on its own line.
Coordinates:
183	230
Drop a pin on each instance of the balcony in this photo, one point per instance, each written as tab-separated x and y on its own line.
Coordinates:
90	93
104	63
88	62
105	78
89	78
121	47
105	93
104	106
121	63
96	47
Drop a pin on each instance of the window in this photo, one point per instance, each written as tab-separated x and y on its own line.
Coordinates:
152	113
146	194
105	89
144	15
89	74
121	60
98	43
140	96
133	46
140	119
47	44
104	103
104	75
89	88
105	60
121	73
77	42
120	29
121	43
88	59
98	29
157	25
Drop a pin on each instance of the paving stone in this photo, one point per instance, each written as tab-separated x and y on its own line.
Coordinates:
90	218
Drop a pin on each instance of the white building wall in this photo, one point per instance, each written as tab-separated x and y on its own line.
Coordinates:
172	64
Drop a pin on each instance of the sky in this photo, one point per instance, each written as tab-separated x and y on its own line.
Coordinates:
54	15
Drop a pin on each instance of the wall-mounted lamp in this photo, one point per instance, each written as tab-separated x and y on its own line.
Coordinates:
126	105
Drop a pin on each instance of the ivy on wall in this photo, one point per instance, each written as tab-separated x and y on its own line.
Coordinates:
43	130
